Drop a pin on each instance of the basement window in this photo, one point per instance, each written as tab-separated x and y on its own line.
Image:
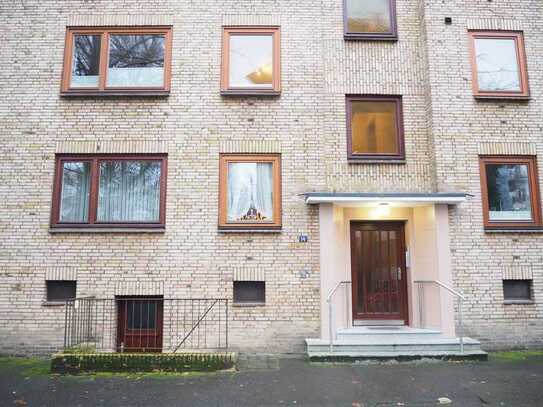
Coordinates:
60	290
249	292
517	290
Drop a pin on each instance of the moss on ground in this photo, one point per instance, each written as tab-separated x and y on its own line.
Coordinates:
517	355
28	367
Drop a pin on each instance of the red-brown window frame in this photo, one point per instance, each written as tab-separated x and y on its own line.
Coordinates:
226	89
102	88
400	153
389	36
224	159
531	162
518	37
94	160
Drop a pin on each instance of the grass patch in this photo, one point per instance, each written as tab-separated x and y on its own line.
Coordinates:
517	355
27	367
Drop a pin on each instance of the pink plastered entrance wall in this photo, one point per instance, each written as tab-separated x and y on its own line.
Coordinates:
428	258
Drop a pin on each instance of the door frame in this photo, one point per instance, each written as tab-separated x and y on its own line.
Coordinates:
121	302
404	303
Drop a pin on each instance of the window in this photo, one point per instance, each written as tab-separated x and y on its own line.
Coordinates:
109	190
375	128
60	290
498	64
517	290
251	61
250	191
510	192
249	292
370	19
117	61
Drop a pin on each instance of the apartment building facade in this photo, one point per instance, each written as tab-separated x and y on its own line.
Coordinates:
311	165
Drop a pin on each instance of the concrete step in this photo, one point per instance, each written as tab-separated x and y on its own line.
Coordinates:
394	346
359	333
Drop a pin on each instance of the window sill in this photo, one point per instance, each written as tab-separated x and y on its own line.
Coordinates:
538	229
369	37
520	98
109	93
356	161
248	304
255	230
53	303
106	230
518	302
249	92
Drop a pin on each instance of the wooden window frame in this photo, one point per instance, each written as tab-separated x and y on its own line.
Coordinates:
518	37
102	88
360	36
530	161
94	160
400	153
226	89
224	160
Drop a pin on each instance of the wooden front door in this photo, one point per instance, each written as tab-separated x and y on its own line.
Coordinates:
379	283
139	324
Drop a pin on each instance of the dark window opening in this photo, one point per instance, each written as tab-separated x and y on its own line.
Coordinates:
141	314
60	290
249	292
517	290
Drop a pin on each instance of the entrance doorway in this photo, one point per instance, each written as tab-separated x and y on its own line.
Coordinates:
139	324
379	280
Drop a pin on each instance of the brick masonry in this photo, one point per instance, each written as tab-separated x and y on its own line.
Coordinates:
445	131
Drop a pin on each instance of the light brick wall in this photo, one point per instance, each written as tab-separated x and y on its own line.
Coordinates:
428	66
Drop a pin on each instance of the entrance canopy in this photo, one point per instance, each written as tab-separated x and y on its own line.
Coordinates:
350	199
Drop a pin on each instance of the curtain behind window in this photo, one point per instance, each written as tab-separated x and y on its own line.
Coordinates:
129	191
250	192
74	199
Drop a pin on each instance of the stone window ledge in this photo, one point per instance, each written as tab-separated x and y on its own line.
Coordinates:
53	303
114	93
233	230
370	161
513	230
248	304
107	230
519	302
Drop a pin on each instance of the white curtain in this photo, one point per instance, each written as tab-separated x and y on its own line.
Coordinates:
129	191
74	199
250	192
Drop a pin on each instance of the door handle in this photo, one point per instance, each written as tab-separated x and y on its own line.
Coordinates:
399	273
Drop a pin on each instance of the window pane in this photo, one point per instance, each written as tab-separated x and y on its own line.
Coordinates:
368	16
136	60
60	290
141	314
508	192
251	61
497	64
374	129
129	191
74	198
250	192
86	61
517	289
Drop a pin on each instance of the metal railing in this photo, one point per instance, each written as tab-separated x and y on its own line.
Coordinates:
329	299
146	324
459	297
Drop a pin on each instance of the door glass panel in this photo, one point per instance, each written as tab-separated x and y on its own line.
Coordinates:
141	314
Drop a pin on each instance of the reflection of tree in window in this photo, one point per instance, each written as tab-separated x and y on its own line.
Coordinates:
136	51
86	55
497	66
368	16
508	188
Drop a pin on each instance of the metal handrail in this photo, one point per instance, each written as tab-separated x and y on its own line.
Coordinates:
331	310
460	298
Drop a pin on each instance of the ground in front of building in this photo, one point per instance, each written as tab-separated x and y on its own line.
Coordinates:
507	379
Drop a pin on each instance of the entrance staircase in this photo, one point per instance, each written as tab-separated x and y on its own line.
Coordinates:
393	342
